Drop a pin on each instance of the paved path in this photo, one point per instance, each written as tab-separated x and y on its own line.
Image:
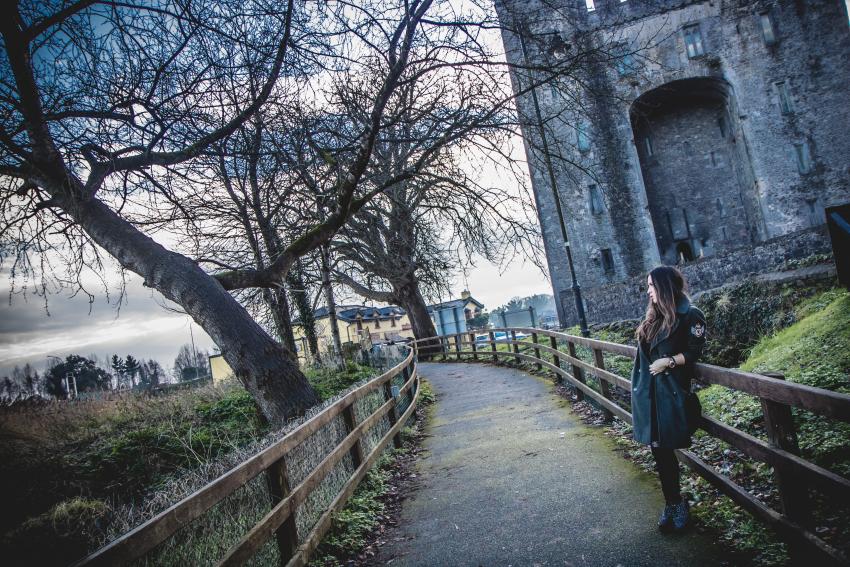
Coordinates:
499	486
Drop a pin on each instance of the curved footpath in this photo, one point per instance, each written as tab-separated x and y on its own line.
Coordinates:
500	486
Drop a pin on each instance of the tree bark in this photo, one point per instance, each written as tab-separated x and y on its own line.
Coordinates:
262	365
329	298
412	301
279	307
295	279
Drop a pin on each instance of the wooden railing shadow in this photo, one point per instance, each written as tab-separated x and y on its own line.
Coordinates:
397	388
793	475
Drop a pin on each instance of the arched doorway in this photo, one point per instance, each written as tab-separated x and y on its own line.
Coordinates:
696	169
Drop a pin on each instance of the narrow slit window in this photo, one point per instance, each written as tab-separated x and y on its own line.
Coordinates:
804	157
768	32
713	160
647	144
582	137
785	106
597	205
721	125
607	261
693	41
625	61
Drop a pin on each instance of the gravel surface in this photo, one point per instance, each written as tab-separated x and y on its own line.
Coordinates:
510	476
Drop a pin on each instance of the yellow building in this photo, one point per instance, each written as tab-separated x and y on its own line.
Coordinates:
386	324
356	323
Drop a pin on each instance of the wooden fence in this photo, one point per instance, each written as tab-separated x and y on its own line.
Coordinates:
794	476
399	383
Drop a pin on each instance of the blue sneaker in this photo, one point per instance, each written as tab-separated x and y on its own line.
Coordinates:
681	515
665	521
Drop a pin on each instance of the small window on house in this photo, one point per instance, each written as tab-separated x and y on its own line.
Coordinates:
597	205
647	145
582	137
693	41
804	157
377	323
784	97
392	321
590	5
607	261
768	33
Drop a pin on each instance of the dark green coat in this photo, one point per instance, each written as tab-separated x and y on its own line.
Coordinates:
658	402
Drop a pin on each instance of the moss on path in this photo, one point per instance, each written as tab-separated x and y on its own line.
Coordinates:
501	486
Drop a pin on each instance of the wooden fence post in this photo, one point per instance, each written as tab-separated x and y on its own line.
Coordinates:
286	535
516	346
349	416
781	433
553	342
577	373
474	347
393	413
493	345
604	386
537	365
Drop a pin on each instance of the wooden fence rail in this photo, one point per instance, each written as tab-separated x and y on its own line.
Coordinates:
279	522
792	523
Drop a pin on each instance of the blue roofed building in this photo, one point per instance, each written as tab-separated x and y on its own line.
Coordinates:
451	317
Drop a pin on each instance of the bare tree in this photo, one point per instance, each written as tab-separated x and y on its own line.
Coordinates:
110	112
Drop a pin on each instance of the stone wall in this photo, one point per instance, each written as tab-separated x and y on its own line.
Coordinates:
627	299
782	162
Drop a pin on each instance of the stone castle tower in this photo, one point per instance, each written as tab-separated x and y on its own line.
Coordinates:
709	134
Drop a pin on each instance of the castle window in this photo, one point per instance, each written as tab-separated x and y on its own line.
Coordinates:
693	41
597	205
721	125
768	33
582	138
684	252
804	158
713	160
719	206
624	62
590	5
607	261
785	106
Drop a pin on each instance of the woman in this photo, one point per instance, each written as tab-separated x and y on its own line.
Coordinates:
671	339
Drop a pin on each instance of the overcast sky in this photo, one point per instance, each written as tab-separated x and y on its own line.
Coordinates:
144	328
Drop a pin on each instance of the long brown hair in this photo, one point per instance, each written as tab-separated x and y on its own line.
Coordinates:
670	287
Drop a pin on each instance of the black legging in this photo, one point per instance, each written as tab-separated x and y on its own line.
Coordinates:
667	466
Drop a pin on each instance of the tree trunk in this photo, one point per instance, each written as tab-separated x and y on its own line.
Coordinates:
297	287
261	364
279	306
329	298
417	311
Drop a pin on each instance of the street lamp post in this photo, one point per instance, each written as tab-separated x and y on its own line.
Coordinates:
547	159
